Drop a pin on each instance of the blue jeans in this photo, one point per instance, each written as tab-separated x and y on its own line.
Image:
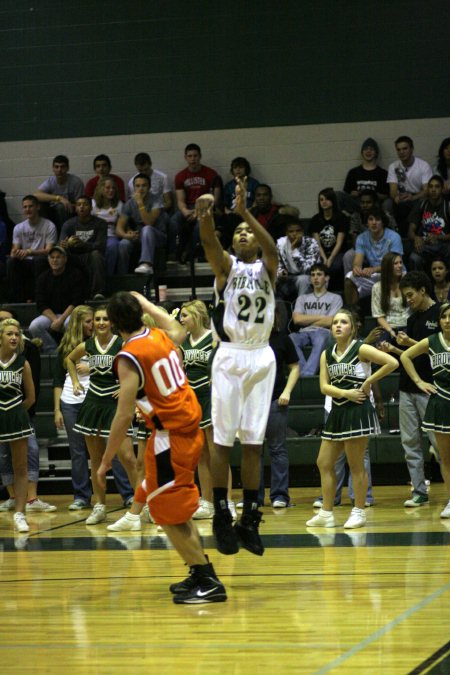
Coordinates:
318	338
81	482
279	459
339	467
40	327
6	467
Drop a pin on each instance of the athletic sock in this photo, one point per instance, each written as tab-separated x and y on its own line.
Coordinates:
250	500
220	499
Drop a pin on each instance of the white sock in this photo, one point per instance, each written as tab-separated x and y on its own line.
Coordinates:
131	516
325	514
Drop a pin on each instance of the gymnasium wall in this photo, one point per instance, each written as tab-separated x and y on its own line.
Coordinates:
295	86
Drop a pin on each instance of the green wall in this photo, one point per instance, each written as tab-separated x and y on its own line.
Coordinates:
98	68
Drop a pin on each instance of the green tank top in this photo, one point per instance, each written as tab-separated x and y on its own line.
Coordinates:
11	375
196	361
345	371
440	364
102	380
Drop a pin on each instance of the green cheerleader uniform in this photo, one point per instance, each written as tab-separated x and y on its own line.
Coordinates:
437	414
347	419
99	407
196	364
14	420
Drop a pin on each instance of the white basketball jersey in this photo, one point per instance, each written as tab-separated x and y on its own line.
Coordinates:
245	310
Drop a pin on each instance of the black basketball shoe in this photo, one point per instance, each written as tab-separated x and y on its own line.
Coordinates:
247	532
224	534
207	587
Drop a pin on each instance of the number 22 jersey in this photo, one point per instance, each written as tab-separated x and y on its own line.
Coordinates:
245	308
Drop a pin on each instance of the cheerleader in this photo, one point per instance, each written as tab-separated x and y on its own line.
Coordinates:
344	376
15	425
99	407
437	414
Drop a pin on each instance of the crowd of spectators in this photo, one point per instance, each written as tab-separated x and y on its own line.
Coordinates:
87	233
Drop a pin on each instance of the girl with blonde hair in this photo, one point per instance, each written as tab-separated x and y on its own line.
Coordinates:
15	425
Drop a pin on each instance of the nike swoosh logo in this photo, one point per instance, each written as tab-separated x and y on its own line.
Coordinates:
201	594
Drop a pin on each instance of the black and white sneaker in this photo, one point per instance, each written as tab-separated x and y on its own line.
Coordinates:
207	589
247	532
224	533
186	585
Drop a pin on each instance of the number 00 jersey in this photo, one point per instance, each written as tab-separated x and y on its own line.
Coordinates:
245	309
165	398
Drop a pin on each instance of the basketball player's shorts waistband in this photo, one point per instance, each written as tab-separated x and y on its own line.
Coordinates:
242	345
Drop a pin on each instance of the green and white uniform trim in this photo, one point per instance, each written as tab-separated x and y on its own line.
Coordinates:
348	419
196	357
99	407
437	414
14	420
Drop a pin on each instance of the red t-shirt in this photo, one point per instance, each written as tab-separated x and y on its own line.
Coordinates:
197	183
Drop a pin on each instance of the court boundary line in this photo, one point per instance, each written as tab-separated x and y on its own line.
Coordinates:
432	661
370	639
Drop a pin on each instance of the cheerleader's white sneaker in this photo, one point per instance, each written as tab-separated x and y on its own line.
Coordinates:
446	512
128	522
98	515
357	519
20	522
322	519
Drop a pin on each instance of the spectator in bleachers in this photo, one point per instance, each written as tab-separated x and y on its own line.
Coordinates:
312	315
58	291
358	223
368	175
429	226
108	206
443	164
296	255
370	248
60	192
159	181
329	228
264	210
102	168
6	229
286	212
140	222
32	240
388	305
440	281
407	178
240	168
84	238
190	183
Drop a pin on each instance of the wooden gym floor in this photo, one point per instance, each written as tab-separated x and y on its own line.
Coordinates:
76	599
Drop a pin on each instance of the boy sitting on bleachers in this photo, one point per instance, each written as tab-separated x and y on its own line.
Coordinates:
313	312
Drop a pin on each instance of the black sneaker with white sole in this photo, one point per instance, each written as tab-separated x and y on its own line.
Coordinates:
247	532
207	587
224	533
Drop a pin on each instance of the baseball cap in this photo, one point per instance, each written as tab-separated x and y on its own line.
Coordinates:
60	249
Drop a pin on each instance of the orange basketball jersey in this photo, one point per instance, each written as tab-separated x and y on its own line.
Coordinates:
165	398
